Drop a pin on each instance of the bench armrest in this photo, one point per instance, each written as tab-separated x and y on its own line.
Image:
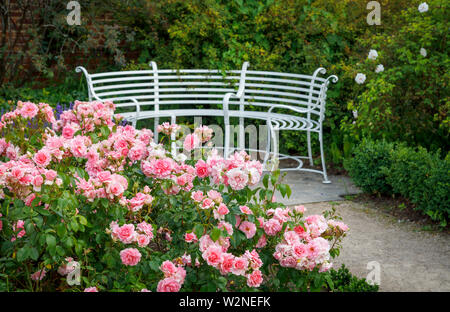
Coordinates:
239	94
295	109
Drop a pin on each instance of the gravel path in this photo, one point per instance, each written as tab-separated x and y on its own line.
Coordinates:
410	259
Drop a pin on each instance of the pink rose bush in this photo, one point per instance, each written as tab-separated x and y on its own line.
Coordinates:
86	192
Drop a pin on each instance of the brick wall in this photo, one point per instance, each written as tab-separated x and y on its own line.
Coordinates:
17	32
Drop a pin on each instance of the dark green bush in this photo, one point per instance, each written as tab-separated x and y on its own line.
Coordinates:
416	174
63	93
366	167
423	178
344	281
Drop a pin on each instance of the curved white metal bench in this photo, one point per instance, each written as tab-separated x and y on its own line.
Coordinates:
286	101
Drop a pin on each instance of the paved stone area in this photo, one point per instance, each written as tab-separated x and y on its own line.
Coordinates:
307	187
410	258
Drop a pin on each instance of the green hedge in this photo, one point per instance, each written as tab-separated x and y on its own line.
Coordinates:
416	174
366	167
344	281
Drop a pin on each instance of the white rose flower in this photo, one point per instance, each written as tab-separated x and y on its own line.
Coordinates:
373	54
379	68
423	52
360	78
355	114
423	7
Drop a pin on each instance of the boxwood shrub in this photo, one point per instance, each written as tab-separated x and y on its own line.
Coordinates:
414	173
366	167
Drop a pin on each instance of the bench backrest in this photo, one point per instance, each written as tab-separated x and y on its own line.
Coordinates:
159	89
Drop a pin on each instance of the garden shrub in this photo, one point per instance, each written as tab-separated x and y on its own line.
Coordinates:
367	166
86	195
416	174
408	100
344	281
423	178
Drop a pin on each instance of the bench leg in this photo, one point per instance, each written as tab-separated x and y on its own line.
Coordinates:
322	157
272	142
155	134
267	154
227	140
311	163
173	120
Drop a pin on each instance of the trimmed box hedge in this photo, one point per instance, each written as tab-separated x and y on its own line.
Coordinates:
414	173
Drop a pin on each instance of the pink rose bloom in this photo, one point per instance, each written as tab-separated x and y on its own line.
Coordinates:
12	152
246	210
42	158
291	237
37	181
300	209
67	267
272	227
38	275
215	196
186	259
163	167
197	196
179	275
300	250
301	232
142	240
338	225
29	199
249	229
130	256
190	237
168	268
254	259
237	178
91	289
202	169
207	203
19	225
240	266
213	255
68	132
288	262
254	279
78	146
325	267
146	228
223	209
191	141
204	242
136	152
29	110
262	242
104	176
137	202
168	285
126	233
227	226
227	263
50	175
117	186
